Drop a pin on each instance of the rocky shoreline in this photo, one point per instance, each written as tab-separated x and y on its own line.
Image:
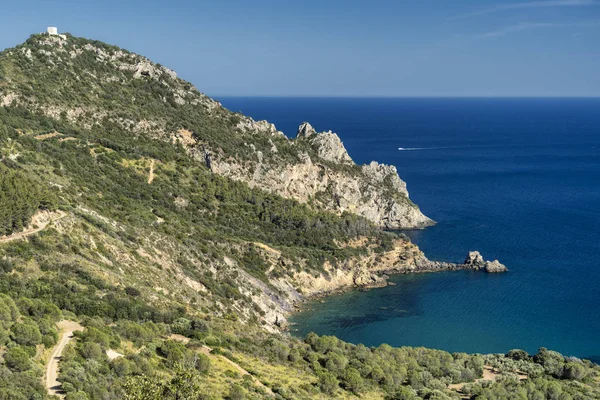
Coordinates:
474	261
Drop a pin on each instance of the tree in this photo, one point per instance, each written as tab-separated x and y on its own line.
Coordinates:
20	198
8	311
518	354
181	326
131	291
328	382
173	351
236	392
403	393
77	396
326	343
91	351
17	359
574	370
202	363
552	361
183	385
143	388
26	333
352	380
377	374
336	363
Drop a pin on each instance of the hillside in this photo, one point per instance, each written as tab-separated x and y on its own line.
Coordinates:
180	235
91	84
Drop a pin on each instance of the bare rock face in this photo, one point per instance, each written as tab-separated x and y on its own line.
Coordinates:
384	174
328	178
247	124
330	148
328	145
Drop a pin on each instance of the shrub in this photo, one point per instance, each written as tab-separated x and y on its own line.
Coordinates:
17	359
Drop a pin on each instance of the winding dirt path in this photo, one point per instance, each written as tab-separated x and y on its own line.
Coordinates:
52	384
41	219
48	135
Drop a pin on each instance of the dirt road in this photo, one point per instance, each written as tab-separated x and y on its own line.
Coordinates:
38	223
52	384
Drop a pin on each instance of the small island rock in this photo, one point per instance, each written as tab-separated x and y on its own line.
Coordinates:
475	261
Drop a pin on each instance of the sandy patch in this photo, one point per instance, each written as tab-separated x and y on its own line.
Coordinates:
113	355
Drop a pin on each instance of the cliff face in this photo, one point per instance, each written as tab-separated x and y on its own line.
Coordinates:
95	86
327	178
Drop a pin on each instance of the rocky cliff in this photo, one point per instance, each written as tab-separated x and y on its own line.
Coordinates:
328	178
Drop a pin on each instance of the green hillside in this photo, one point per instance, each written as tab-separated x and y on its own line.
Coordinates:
108	217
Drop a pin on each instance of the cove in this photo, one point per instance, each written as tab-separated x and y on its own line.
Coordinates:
517	179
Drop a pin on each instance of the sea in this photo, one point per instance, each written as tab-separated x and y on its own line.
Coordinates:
517	179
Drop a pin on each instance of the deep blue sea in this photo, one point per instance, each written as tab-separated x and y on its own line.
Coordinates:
517	179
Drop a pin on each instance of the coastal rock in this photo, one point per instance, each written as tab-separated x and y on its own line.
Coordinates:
371	270
494	266
475	261
474	258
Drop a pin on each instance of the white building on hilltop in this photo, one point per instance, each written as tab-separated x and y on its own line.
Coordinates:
53	31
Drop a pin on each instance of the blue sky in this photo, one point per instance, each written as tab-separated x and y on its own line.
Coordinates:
344	48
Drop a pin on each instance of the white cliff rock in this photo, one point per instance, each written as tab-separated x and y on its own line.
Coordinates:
374	191
330	148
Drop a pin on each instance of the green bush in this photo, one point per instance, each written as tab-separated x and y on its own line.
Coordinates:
17	359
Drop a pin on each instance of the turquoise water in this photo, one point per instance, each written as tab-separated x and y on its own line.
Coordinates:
517	179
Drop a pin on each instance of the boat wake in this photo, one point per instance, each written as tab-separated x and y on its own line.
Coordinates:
438	148
418	148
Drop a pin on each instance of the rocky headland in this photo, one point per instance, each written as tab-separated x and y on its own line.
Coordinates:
324	175
313	168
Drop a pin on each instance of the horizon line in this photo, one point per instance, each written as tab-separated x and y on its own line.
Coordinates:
403	97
